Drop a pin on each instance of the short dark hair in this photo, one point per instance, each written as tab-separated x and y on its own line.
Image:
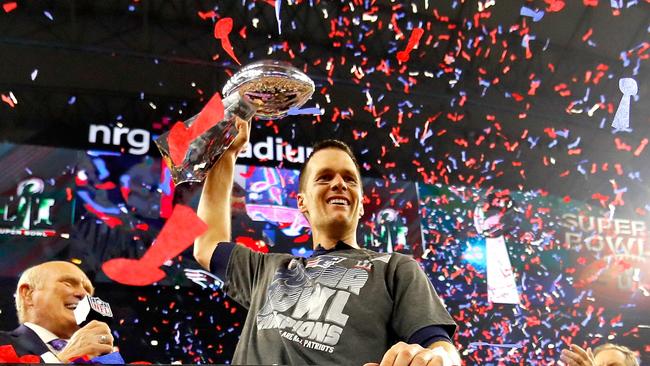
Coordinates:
322	145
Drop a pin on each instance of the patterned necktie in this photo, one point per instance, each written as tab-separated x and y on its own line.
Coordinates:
58	344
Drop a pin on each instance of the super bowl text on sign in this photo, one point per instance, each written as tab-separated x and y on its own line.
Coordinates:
618	247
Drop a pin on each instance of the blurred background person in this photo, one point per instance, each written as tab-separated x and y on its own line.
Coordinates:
607	354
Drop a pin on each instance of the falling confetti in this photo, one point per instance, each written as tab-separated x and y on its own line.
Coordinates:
536	15
9	6
464	99
178	234
222	30
181	136
416	34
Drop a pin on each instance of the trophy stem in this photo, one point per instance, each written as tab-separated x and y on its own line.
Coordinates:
204	151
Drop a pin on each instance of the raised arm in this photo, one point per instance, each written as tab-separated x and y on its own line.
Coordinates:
214	205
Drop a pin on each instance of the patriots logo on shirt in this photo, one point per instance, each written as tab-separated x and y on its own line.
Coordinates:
382	258
323	261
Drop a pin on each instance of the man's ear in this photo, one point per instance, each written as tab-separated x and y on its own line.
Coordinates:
301	203
361	212
25	292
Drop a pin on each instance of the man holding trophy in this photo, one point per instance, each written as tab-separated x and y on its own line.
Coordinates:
343	305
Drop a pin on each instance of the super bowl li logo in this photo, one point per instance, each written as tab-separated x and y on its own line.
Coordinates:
29	211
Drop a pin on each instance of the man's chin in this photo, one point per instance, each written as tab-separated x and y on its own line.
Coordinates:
341	223
71	323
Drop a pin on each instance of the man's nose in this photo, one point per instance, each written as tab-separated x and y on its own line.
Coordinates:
339	183
80	292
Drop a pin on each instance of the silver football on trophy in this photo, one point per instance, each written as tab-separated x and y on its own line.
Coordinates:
267	89
274	87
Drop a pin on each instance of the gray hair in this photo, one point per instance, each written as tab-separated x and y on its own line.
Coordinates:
630	356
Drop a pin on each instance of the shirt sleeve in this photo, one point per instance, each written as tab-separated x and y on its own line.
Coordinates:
428	335
416	304
220	259
241	269
237	266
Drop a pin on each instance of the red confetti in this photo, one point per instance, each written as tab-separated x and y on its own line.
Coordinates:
416	34
181	136
7	100
105	186
221	31
554	5
9	6
641	146
177	235
207	14
620	145
125	191
167	194
302	238
109	220
252	244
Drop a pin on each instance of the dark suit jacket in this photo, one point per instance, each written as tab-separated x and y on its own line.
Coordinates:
24	340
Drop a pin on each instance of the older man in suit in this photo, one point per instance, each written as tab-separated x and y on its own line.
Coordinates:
46	297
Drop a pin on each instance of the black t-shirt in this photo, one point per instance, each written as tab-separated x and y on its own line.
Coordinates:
344	307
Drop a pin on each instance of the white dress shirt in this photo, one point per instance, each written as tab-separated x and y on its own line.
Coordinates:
46	336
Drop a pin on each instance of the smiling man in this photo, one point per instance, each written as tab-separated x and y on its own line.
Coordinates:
46	297
344	305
